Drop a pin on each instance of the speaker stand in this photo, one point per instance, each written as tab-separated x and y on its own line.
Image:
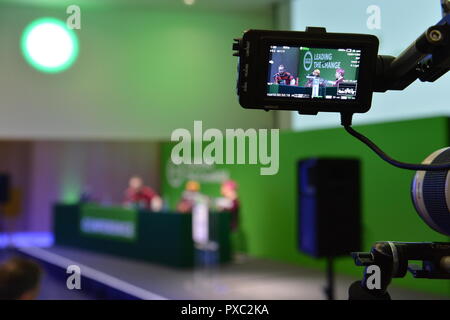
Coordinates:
329	289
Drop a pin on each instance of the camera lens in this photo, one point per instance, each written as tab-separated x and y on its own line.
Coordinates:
431	193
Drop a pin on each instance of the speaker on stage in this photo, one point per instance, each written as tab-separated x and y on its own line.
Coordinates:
329	206
4	188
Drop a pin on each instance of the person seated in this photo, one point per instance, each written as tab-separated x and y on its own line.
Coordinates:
190	196
139	196
19	279
339	77
283	77
230	202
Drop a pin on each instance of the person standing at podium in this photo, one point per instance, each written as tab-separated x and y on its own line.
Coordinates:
312	78
140	196
191	195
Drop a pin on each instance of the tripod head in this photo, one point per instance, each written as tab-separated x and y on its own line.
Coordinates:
392	260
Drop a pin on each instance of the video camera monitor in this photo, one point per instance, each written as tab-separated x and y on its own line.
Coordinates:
306	71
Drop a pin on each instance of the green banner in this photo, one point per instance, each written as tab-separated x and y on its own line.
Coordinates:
110	223
327	61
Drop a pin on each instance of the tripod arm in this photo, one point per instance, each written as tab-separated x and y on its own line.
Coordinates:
427	59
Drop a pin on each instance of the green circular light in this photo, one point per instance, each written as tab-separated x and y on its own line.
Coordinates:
49	45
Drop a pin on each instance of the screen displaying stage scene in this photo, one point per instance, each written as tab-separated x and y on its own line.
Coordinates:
313	73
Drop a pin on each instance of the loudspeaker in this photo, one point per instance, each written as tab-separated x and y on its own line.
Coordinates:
4	188
329	206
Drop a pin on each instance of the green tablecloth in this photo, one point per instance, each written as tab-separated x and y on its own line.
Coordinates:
164	238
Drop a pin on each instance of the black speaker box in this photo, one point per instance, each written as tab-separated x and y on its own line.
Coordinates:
329	206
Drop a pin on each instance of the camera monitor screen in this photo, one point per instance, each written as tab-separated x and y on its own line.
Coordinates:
313	73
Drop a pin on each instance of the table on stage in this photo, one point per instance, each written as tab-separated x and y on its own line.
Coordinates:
164	238
284	89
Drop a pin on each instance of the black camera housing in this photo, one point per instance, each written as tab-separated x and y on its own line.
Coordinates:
253	51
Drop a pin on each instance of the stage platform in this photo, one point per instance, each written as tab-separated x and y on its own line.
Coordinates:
247	278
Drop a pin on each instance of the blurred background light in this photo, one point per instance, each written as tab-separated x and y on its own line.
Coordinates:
49	45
